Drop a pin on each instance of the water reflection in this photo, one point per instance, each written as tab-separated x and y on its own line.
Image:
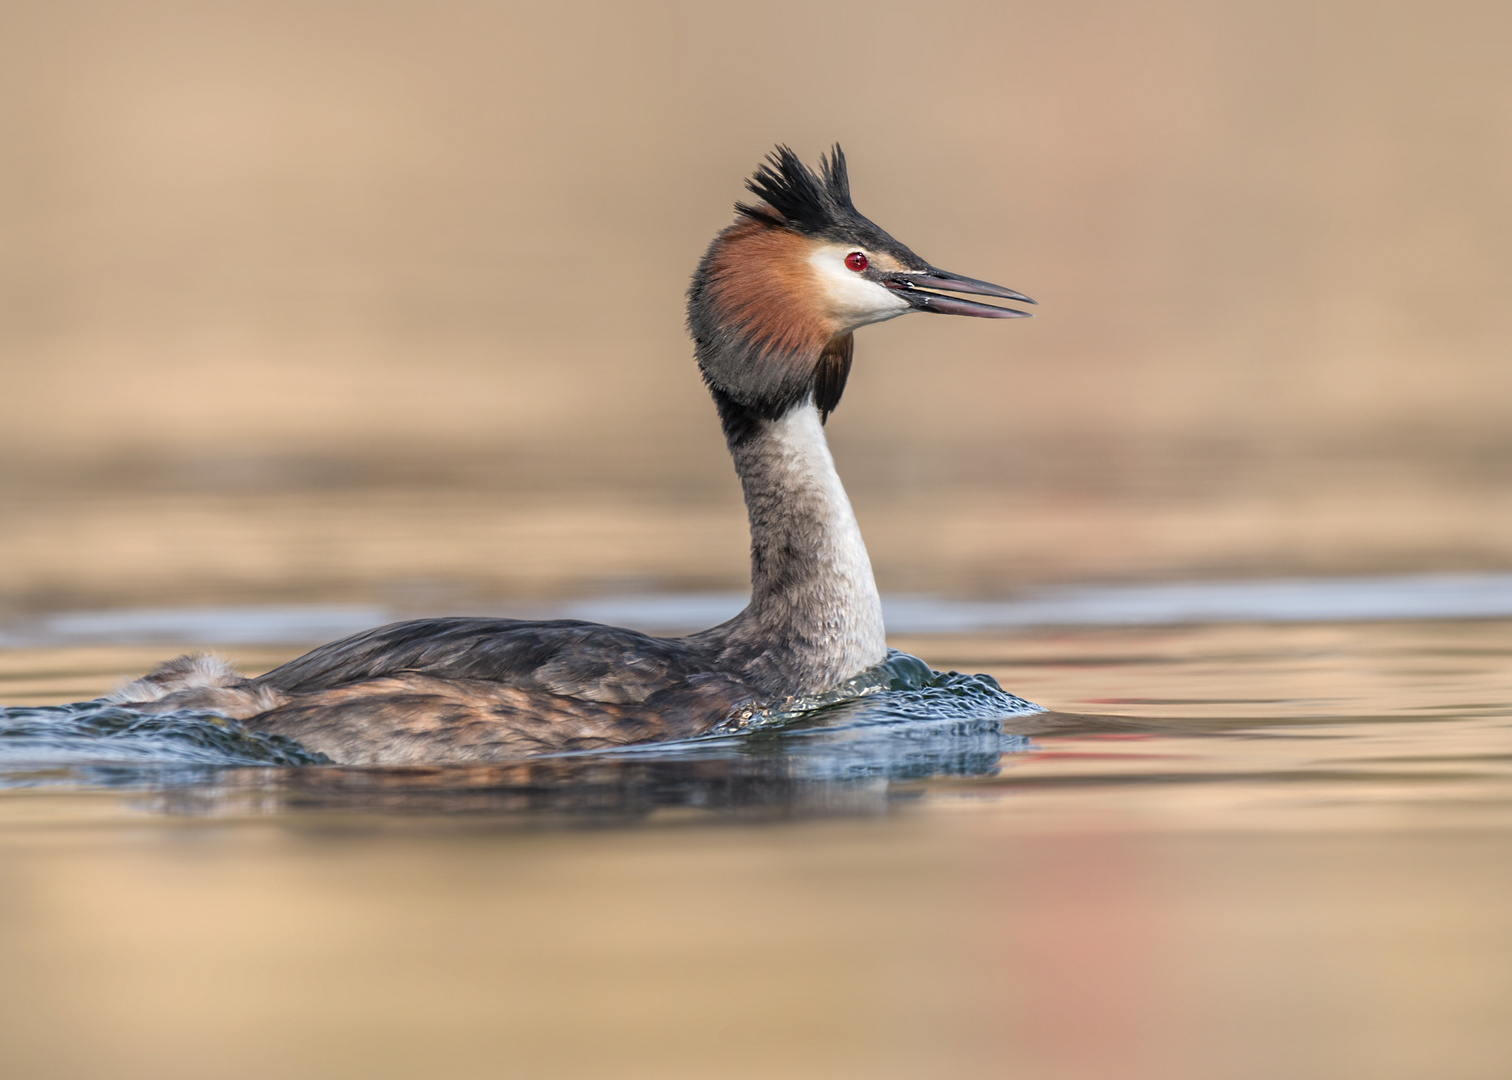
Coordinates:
819	772
542	794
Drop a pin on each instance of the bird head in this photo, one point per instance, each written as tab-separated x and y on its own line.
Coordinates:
778	294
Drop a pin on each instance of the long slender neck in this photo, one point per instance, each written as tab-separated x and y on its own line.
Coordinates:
814	619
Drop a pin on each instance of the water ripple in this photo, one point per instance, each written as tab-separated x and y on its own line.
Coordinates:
99	733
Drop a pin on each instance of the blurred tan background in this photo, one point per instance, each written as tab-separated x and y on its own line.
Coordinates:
338	300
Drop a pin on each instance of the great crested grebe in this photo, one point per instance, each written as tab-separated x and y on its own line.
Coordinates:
771	309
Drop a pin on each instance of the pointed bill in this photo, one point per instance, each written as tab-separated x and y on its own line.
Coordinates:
916	289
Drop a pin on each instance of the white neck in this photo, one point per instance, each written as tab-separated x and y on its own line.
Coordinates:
813	598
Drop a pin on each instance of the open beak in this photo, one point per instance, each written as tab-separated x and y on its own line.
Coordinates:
914	286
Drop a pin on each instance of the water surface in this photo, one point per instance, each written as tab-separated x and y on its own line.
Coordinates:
1244	850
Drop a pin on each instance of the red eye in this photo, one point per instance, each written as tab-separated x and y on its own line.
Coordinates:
856	261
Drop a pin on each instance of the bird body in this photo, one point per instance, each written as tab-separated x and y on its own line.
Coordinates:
772	309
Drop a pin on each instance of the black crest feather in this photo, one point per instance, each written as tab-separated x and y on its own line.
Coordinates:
810	202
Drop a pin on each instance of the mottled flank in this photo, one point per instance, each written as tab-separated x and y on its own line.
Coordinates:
423	719
437	690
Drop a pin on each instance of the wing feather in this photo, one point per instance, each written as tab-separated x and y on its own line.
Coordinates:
574	659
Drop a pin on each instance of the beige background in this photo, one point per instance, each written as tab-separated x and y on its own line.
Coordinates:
384	300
